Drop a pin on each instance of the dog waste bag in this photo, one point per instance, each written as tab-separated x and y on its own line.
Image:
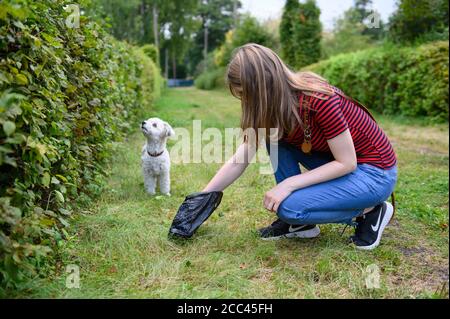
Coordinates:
193	212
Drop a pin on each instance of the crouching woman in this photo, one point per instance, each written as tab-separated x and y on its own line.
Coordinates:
351	165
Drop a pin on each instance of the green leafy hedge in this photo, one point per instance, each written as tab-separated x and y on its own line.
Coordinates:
66	95
151	81
152	52
411	81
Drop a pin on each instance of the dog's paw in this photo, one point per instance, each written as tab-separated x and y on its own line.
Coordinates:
151	193
167	194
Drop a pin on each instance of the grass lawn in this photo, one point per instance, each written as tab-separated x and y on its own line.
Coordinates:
121	245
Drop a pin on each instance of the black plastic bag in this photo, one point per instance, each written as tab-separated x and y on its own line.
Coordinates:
193	212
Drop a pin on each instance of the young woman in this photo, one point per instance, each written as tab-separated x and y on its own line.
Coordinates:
351	163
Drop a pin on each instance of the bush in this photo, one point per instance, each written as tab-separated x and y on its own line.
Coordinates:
412	81
152	52
66	94
205	64
211	79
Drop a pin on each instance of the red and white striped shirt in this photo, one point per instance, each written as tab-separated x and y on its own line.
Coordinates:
330	116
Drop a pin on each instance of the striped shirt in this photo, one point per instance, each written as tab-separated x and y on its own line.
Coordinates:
333	115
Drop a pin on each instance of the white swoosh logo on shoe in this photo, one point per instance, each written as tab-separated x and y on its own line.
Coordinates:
292	229
377	225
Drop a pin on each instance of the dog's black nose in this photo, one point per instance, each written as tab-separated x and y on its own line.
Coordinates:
143	123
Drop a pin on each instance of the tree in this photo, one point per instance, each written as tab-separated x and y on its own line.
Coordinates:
169	25
416	19
136	21
217	18
181	23
272	25
360	13
300	33
346	37
287	39
126	18
249	30
308	34
353	32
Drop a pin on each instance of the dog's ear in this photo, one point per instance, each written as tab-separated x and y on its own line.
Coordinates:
169	130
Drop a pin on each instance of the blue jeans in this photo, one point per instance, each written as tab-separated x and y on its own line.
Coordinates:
335	201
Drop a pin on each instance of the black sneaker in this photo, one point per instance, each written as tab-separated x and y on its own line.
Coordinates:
370	226
280	229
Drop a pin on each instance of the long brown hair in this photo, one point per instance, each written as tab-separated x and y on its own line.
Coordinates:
268	89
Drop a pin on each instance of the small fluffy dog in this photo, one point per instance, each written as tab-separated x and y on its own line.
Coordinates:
155	157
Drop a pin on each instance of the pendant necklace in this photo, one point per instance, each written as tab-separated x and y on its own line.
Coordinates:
306	145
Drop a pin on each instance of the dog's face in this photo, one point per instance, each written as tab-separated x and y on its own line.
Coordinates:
156	129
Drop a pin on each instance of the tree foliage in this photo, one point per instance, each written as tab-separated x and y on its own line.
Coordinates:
125	20
288	41
211	71
218	17
353	31
416	19
308	34
300	33
179	30
135	21
249	30
360	14
131	20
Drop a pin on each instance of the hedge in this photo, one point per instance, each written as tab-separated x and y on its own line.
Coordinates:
151	80
152	52
66	95
411	81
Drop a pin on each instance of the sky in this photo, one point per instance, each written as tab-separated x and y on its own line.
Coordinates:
331	9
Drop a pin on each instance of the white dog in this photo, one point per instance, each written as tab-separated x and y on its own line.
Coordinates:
155	157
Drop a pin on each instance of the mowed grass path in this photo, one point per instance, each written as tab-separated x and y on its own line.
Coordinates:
121	245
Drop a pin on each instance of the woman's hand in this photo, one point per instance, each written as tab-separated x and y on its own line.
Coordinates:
274	197
232	169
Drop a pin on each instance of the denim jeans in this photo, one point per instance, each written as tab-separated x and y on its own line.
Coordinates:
335	201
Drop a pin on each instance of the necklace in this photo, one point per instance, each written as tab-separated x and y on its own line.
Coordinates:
306	145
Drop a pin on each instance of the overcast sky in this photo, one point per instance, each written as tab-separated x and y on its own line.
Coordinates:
331	9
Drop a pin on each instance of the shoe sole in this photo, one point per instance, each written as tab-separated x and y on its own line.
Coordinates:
310	233
386	220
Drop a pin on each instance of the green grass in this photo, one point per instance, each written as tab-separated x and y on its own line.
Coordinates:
122	249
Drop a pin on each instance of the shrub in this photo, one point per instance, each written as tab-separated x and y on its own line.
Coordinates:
205	64
412	81
211	79
152	52
66	94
